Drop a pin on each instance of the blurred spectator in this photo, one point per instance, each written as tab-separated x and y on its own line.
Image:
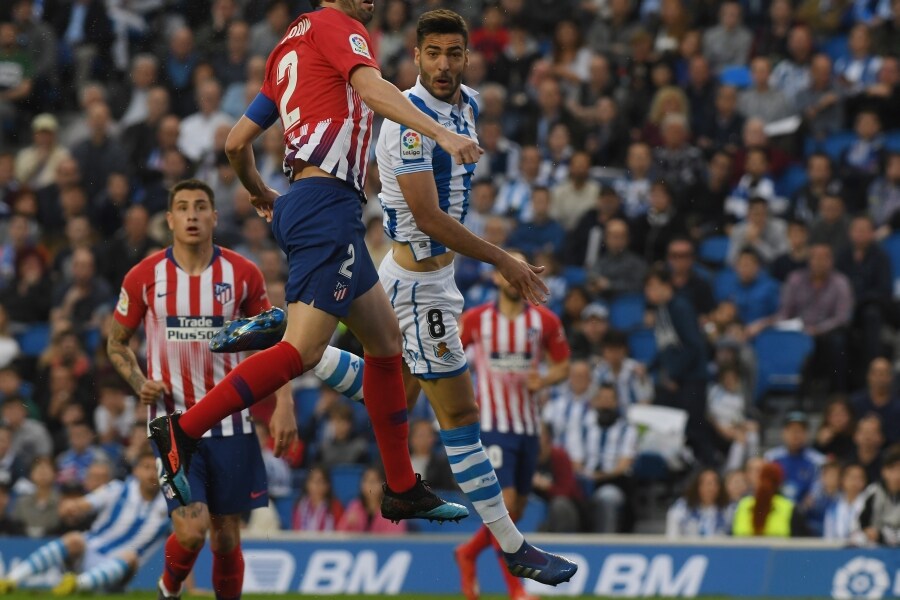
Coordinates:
831	225
10	467
130	245
820	182
652	232
824	494
628	376
879	519
767	513
577	195
722	131
634	187
131	104
884	197
887	33
9	347
869	440
76	299
729	42
363	514
571	59
515	63
554	482
821	102
72	465
680	365
564	413
834	439
611	34
115	413
36	165
548	111
751	289
514	196
231	65
760	101
341	445
686	279
677	162
764	234
587	341
584	243
756	183
100	154
427	458
879	398
39	41
882	96
618	270
16	81
701	512
791	76
841	517
798	461
771	39
28	301
317	509
607	141
30	439
669	100
737	436
754	136
542	233
265	34
38	508
8	525
198	130
862	160
860	68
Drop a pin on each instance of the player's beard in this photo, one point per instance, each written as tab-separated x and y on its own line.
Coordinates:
428	82
354	9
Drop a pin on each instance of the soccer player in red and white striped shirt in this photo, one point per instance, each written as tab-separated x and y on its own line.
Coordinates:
511	340
182	295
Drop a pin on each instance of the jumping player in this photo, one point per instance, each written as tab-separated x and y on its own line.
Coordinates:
131	524
182	295
425	198
323	83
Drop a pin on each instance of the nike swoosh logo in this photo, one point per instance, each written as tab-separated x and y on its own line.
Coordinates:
255	495
158	295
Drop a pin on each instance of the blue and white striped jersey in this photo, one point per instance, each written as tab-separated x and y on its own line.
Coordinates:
402	151
126	521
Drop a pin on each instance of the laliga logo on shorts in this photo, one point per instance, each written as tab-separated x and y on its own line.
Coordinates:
861	578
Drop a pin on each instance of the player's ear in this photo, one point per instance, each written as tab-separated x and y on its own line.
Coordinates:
170	220
416	55
215	218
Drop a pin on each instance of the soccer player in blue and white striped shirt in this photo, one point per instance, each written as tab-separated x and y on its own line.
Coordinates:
132	521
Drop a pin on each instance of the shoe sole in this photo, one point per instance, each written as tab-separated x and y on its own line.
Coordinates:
429	516
173	479
232	339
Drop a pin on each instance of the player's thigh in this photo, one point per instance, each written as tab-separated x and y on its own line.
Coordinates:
225	533
452	399
190	524
373	322
237	475
308	330
411	386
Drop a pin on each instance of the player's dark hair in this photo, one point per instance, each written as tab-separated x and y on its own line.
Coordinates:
192	184
441	21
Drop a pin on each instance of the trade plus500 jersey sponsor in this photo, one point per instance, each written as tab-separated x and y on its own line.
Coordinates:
192	329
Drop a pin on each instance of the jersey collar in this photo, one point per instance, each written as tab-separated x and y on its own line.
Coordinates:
217	252
442	108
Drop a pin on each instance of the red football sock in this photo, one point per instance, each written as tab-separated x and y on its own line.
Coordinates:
248	383
179	562
228	574
386	403
478	542
513	583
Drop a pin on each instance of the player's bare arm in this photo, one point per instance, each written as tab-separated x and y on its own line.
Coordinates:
420	194
386	100
557	372
126	364
239	149
72	508
283	424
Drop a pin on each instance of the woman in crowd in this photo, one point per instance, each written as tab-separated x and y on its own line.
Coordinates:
317	509
767	513
363	515
702	510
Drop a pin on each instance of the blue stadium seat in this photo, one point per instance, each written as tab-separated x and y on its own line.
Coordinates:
650	466
535	514
836	47
790	181
574	276
627	312
345	482
642	345
891	245
724	280
714	250
34	340
90	338
780	356
736	75
305	401
285	508
835	144
892	141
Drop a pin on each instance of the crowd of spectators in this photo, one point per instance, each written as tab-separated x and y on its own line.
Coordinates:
619	136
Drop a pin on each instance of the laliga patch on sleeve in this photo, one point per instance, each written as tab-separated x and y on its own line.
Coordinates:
410	145
359	46
122	305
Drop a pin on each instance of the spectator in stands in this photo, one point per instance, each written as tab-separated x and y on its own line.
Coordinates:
677	162
755	136
821	102
634	186
231	65
862	160
879	398
28	301
652	232
729	42
820	182
860	68
798	461
76	300
30	439
9	347
761	101
11	468
585	242
756	183
555	483
114	415
16	83
883	95
701	512
8	525
831	225
722	131
633	385
72	465
669	100
618	270
36	165
341	445
607	142
760	232
686	280
752	290
834	439
317	509
706	215
737	436
605	453
587	341
129	246
363	514
40	43
791	76
427	457
879	519
38	507
869	441
566	409
542	233
771	39
549	110
100	154
884	197
841	517
681	359
768	513
198	130
825	492
514	196
611	34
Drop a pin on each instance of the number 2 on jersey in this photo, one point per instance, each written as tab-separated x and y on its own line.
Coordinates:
288	65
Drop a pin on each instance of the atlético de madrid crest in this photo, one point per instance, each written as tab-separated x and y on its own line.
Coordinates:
223	293
340	291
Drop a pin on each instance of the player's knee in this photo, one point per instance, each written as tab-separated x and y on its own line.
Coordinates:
191	536
462	413
74	542
223	542
130	558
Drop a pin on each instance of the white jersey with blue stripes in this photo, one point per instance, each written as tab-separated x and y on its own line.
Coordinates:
401	151
127	521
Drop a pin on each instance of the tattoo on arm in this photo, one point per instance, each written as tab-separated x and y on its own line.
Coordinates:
122	357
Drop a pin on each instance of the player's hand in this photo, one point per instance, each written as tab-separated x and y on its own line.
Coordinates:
462	148
524	277
283	428
534	382
152	390
264	203
68	508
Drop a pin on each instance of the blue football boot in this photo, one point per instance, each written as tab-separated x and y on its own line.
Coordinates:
419	503
175	450
251	333
543	567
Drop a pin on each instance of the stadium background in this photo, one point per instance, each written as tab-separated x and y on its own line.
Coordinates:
585	108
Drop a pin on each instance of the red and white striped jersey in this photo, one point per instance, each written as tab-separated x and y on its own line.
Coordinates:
505	352
325	121
181	313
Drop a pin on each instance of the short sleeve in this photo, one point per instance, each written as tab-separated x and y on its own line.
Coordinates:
268	85
131	307
555	338
257	298
414	151
345	46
